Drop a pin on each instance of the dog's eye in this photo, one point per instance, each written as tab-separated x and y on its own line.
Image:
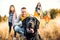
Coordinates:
28	18
33	19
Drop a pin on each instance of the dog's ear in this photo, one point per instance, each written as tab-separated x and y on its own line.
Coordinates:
37	23
24	22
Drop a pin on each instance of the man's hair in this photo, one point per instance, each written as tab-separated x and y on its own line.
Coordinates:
23	8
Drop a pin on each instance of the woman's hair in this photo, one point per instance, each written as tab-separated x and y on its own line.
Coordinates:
10	9
37	5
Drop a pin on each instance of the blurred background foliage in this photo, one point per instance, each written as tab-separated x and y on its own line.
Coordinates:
3	18
52	12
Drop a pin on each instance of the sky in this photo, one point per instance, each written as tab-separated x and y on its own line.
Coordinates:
29	4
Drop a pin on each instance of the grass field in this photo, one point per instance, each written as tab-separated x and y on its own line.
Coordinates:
4	29
4	32
50	31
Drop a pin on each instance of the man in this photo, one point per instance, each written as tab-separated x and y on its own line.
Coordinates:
18	24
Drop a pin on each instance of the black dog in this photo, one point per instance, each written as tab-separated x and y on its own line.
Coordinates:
28	24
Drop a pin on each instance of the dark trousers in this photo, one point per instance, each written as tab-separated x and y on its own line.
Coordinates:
14	32
10	26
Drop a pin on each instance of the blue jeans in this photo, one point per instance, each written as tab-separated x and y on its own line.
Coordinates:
19	30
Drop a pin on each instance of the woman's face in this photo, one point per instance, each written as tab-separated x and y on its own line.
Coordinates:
12	8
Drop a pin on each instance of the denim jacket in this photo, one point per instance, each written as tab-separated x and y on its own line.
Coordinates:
17	22
12	17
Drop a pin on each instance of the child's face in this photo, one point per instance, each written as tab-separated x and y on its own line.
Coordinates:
12	8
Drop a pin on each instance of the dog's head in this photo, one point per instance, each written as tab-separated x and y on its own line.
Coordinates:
31	22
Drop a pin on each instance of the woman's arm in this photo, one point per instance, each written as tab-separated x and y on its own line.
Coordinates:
14	17
18	21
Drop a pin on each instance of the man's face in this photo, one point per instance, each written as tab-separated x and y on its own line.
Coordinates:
23	11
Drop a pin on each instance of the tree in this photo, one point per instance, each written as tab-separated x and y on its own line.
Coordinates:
5	18
0	18
53	13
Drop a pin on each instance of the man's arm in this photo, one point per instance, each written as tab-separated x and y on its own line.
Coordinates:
18	21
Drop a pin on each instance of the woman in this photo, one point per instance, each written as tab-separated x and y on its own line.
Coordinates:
38	11
38	14
12	17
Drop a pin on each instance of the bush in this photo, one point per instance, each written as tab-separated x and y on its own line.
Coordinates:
53	13
0	18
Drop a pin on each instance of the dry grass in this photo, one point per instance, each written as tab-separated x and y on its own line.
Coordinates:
4	35
51	31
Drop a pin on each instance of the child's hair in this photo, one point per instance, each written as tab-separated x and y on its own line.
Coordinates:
10	9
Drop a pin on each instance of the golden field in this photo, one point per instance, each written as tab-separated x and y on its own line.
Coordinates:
50	31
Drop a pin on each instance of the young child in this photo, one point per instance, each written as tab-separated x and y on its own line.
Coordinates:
47	17
12	17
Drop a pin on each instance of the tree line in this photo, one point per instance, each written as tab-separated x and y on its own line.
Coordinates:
52	12
3	18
